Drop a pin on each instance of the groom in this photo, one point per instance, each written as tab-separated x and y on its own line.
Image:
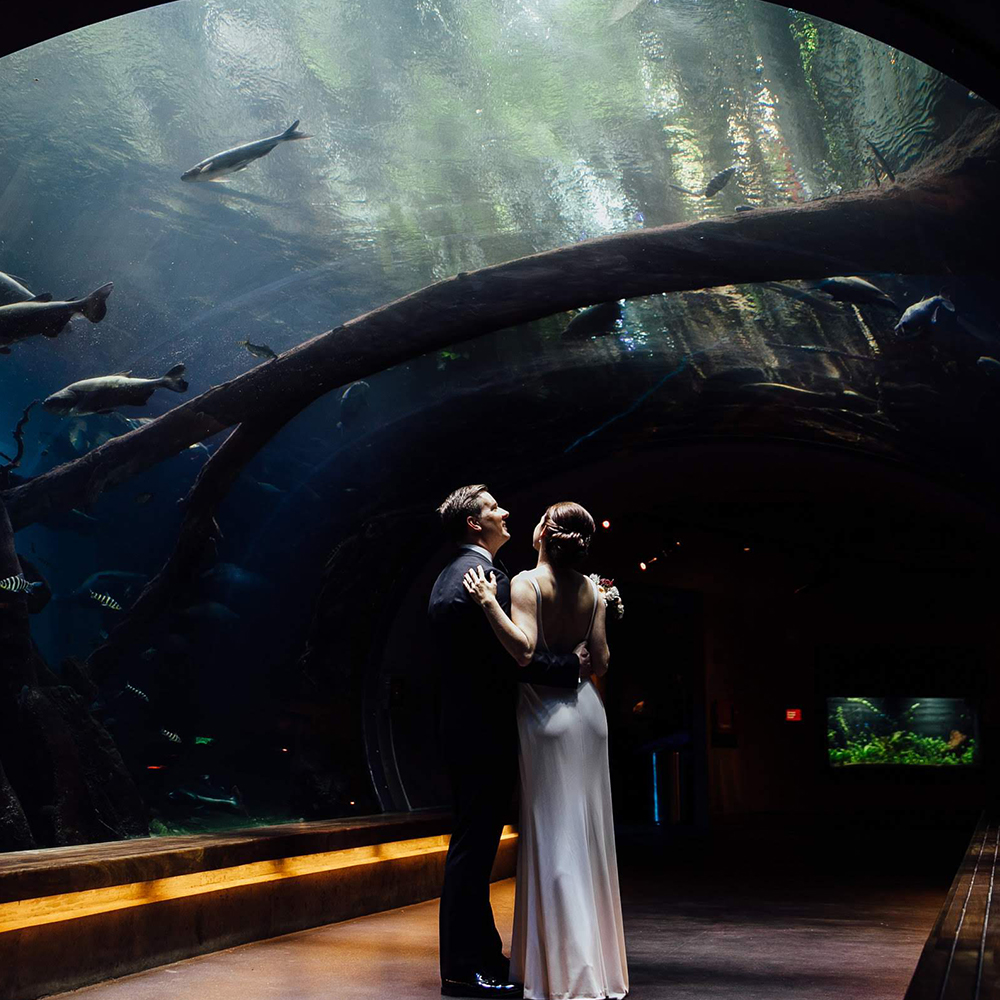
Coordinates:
479	739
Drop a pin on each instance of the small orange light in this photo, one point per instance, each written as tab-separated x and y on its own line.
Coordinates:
746	548
653	560
351	802
154	767
605	524
677	543
642	566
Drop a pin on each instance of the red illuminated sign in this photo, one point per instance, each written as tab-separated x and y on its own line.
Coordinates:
793	714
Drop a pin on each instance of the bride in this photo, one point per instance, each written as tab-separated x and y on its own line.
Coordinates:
568	941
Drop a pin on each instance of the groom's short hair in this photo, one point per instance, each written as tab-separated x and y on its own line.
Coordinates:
466	501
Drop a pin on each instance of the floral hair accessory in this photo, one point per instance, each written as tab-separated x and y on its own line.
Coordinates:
612	599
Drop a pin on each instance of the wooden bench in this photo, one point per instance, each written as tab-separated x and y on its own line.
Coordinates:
960	959
70	916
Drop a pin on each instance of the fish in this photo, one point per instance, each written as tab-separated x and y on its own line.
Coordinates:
855	289
135	692
258	350
107	392
239	157
70	520
105	600
230	575
989	366
40	317
353	402
880	159
204	794
172	736
143	498
208	612
713	187
19	585
595	320
11	291
745	208
956	739
921	315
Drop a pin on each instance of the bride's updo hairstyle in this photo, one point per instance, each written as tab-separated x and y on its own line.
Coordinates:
568	531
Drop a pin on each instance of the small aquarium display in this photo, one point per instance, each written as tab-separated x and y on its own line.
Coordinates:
918	731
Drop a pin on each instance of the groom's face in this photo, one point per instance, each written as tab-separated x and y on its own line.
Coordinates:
492	522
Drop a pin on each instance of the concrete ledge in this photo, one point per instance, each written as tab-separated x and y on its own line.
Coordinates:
108	910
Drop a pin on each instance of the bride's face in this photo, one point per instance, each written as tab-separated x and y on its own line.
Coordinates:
536	535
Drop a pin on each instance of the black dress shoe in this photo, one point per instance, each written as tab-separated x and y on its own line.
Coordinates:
481	984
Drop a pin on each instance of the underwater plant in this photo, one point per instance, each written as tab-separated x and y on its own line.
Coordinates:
875	737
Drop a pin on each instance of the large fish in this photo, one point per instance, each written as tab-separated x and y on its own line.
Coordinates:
29	319
595	320
107	392
921	316
11	291
713	187
855	289
239	157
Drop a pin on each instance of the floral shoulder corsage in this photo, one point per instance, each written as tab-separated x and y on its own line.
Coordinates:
612	599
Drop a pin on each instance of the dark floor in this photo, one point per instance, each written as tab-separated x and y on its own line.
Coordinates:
753	914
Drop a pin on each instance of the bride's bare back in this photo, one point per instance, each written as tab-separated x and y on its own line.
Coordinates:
567	608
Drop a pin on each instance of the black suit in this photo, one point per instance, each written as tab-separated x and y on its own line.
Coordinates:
479	740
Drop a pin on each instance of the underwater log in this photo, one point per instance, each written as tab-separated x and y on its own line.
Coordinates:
938	219
198	534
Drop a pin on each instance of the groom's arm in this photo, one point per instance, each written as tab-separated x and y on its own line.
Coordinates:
560	670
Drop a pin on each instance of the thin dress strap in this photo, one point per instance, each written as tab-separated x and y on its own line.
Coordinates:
538	610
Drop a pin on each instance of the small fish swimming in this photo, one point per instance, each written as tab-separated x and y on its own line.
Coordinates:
239	157
105	600
921	315
172	736
258	350
745	208
353	402
19	585
11	291
135	692
595	320
39	317
107	392
713	187
880	159
855	289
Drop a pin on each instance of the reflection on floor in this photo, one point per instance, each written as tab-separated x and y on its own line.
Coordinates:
733	921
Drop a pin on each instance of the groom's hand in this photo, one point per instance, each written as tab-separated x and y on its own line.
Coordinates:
481	589
583	655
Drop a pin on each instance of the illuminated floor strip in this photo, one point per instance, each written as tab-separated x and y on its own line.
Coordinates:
85	903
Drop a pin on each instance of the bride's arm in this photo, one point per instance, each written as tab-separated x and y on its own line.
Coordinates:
519	636
598	643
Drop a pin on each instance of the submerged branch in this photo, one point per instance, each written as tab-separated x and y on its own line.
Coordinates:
939	218
197	537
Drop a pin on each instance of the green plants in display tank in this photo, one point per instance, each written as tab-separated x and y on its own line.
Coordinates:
937	732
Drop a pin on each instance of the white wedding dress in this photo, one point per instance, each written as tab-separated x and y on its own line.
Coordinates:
568	941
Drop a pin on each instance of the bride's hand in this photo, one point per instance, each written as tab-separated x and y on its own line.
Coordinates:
482	590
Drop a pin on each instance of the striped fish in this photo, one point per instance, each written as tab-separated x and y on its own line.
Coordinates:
106	600
137	692
173	737
19	585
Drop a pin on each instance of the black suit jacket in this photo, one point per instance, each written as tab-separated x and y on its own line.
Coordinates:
479	677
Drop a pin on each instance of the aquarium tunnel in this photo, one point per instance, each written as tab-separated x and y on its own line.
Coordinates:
275	278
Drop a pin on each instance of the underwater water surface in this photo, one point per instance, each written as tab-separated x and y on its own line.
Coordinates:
439	138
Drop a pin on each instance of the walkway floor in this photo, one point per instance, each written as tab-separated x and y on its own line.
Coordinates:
747	923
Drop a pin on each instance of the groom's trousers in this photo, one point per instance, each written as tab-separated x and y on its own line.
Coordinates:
483	772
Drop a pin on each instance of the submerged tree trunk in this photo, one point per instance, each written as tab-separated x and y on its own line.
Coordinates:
939	218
